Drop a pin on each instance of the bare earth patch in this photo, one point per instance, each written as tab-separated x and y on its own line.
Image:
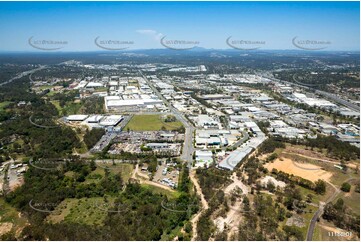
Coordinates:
295	220
5	228
345	236
307	171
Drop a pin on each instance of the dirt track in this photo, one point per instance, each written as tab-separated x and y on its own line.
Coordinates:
144	179
204	202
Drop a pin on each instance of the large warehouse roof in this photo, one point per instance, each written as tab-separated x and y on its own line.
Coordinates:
78	117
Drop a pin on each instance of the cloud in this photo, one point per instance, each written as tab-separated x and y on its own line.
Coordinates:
150	32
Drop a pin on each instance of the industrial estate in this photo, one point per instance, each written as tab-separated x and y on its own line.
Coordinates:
178	143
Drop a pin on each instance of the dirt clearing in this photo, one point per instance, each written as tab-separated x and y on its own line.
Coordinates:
304	170
5	228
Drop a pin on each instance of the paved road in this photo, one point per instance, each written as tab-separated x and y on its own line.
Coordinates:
319	212
188	149
242	140
331	96
25	73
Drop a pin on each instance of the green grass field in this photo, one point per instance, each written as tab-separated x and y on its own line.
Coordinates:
323	229
45	87
72	108
9	214
124	169
151	123
3	105
351	199
158	190
56	104
85	211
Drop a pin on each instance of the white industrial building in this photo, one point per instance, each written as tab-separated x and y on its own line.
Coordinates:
77	117
204	158
111	120
116	102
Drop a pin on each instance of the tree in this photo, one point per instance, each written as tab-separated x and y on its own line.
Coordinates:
271	186
320	187
346	187
309	198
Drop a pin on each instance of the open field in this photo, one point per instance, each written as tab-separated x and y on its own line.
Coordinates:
159	190
351	199
151	123
45	87
72	108
306	171
323	232
89	211
57	105
3	105
315	154
69	108
10	219
324	163
316	198
124	169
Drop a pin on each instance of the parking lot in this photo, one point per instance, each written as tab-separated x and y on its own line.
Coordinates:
14	177
103	142
167	174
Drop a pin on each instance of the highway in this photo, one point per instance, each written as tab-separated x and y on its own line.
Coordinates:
331	96
188	149
25	73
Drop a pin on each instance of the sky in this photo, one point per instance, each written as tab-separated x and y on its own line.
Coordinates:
74	26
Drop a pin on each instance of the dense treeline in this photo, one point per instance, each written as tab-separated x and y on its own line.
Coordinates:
184	180
33	126
211	180
342	216
143	219
323	78
318	187
93	105
91	137
205	226
270	145
336	148
262	221
56	141
254	168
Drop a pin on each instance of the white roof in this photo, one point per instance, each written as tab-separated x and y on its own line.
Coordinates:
299	95
94	118
94	84
111	120
113	83
234	158
77	117
206	153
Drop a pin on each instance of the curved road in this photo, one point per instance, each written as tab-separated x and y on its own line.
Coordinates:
22	75
319	212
